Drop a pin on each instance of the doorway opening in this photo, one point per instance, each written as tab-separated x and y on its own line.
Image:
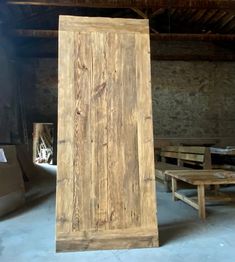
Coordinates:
43	143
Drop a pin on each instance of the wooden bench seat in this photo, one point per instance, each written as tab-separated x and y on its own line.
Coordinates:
192	155
160	170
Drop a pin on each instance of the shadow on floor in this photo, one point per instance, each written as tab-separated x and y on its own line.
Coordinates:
174	231
39	188
178	220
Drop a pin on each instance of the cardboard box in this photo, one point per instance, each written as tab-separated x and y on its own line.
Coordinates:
11	180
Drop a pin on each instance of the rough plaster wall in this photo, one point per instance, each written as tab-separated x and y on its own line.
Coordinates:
190	99
193	99
9	110
39	77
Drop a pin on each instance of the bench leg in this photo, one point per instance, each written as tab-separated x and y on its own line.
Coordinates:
201	201
167	186
173	188
216	188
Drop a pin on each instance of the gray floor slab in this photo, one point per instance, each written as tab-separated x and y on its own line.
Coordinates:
29	233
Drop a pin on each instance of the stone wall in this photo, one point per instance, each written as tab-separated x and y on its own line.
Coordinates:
193	99
190	99
39	78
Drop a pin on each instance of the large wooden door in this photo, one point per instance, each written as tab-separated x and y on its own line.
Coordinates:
105	185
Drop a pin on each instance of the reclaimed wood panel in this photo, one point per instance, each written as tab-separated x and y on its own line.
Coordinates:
105	186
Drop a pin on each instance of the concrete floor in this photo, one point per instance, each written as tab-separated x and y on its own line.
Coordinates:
29	234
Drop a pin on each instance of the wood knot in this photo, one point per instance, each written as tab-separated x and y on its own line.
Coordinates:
99	89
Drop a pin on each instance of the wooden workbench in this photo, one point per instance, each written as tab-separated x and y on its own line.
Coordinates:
200	179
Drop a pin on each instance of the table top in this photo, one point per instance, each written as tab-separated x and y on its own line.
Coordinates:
203	177
228	151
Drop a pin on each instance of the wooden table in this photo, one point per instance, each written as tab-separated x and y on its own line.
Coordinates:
201	179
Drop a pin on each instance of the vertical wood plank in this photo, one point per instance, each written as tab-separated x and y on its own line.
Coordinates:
131	162
64	207
116	139
145	132
98	106
82	169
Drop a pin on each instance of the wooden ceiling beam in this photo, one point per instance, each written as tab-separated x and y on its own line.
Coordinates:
159	36
160	50
157	12
215	4
193	57
160	57
33	33
193	37
140	13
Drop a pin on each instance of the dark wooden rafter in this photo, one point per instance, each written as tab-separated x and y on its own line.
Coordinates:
149	4
164	37
218	19
230	26
121	13
221	22
203	18
177	14
172	12
193	37
157	12
187	15
48	51
226	21
211	17
193	57
33	33
208	16
145	16
197	16
33	16
159	57
140	13
160	49
213	20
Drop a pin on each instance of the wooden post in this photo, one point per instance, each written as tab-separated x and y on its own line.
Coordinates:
201	201
180	163
207	159
173	187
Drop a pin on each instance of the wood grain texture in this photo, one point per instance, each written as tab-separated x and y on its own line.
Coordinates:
105	187
203	177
